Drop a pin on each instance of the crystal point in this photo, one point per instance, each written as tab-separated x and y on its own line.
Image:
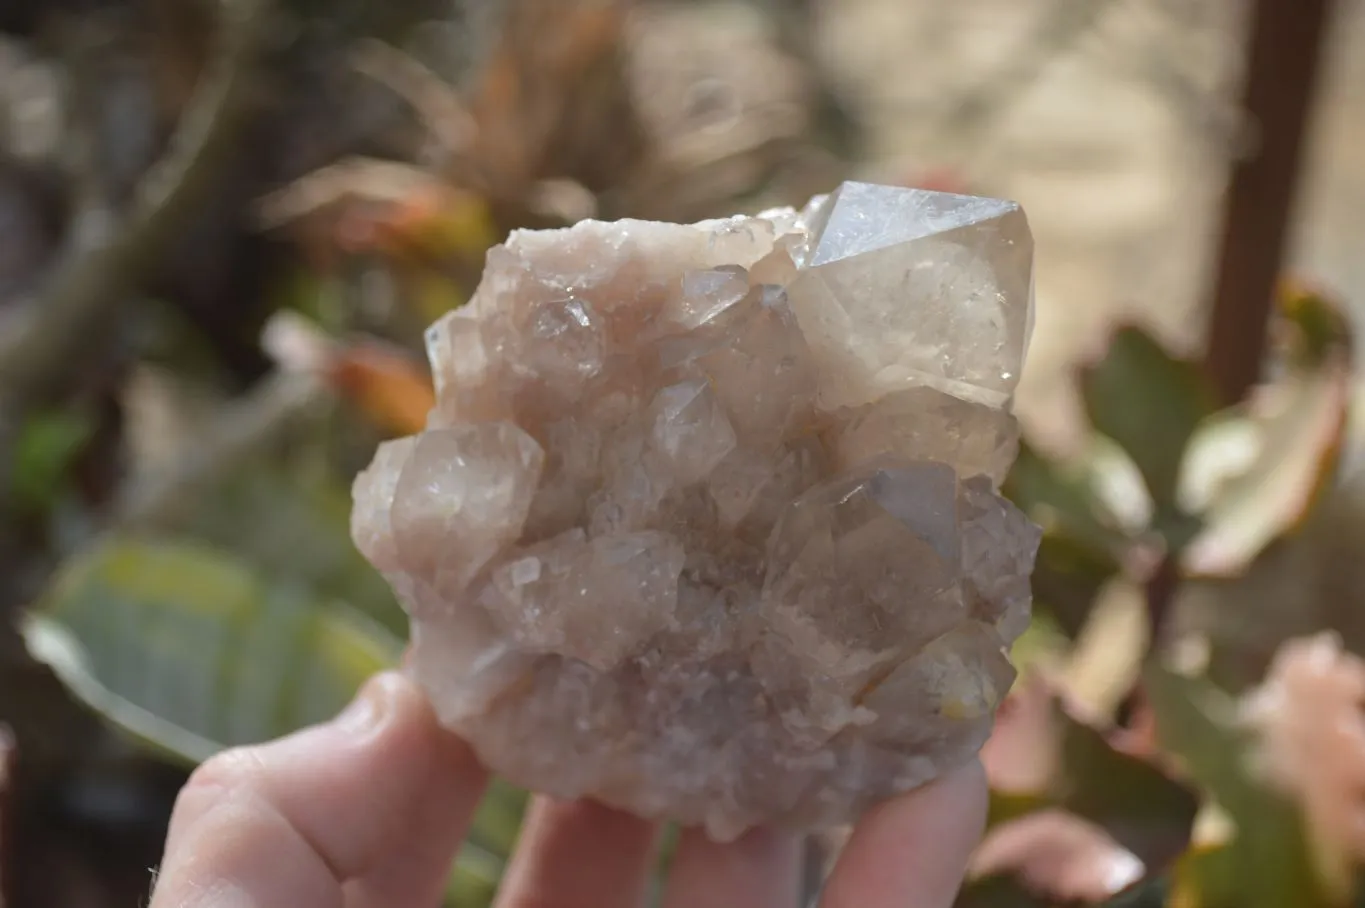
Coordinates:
705	524
906	287
860	218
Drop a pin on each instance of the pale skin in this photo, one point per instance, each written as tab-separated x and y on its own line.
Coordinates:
369	809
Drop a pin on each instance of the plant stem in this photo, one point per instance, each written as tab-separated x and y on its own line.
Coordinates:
107	253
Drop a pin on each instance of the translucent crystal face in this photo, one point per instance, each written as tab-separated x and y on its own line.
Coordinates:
905	287
705	523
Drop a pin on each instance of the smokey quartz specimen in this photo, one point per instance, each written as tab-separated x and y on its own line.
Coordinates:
705	524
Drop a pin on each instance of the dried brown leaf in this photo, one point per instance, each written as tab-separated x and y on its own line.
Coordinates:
553	100
364	205
369	179
438	104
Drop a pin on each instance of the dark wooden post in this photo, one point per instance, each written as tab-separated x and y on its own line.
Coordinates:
1282	69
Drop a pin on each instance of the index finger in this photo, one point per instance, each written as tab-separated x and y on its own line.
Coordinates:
913	850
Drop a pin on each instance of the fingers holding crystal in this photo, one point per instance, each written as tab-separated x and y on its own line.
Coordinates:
761	869
573	854
913	849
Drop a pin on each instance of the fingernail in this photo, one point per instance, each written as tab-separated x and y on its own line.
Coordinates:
371	704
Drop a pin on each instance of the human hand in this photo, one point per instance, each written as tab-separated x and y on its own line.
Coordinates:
369	809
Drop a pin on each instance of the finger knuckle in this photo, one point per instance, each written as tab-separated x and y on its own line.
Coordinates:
231	770
224	781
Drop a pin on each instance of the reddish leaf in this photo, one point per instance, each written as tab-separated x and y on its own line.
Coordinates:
389	385
1068	577
1310	713
1058	855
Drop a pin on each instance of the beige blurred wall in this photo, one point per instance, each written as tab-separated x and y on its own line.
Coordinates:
1112	122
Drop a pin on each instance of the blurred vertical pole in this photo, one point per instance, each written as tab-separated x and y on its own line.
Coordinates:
1281	77
797	24
7	760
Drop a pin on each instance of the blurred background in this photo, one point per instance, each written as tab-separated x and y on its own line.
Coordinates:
224	225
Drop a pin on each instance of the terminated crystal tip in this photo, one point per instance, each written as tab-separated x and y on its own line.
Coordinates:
907	287
705	524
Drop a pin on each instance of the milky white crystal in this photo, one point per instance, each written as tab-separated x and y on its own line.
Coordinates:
705	524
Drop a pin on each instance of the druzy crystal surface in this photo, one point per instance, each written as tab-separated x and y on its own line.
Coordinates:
705	524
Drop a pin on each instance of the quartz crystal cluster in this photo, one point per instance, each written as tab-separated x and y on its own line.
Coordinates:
705	523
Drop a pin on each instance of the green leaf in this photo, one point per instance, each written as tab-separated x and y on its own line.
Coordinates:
1150	403
663	863
1061	500
1082	540
1269	859
1005	806
1041	756
474	877
190	651
498	820
1068	577
294	527
46	445
1321	326
1207	877
1299	425
1041	647
1150	894
1144	810
998	892
257	477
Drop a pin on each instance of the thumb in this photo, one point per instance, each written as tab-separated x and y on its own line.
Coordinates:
365	810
